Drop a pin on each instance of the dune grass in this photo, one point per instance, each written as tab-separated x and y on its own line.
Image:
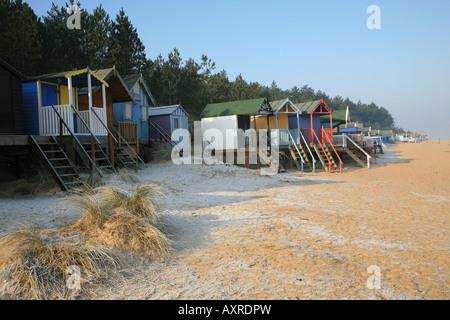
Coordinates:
121	219
37	262
141	202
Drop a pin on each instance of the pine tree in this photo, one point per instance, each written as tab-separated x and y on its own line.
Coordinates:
20	40
97	34
126	50
62	47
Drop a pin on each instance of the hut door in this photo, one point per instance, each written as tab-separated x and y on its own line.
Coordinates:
176	123
49	94
293	124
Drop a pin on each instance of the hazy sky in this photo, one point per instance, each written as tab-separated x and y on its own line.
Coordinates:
404	66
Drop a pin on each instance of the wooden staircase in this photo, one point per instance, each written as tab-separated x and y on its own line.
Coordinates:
325	156
296	157
123	158
356	155
98	155
56	160
307	165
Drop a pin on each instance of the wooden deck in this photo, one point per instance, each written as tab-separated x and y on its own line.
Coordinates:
13	140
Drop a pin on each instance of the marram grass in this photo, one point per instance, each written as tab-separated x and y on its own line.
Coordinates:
36	262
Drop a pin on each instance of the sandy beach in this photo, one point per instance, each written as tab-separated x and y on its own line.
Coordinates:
239	235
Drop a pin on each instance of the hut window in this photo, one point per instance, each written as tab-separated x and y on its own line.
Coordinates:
128	111
144	113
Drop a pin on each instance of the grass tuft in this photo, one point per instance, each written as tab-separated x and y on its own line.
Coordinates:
37	262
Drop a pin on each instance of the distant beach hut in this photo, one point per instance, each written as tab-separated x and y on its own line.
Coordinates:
126	113
286	119
234	116
317	136
163	121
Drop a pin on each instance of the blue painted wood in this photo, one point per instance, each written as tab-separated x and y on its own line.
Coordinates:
142	100
30	108
49	95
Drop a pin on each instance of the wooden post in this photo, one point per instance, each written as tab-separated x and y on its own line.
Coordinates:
247	156
110	138
69	86
89	89
60	131
111	150
104	95
92	148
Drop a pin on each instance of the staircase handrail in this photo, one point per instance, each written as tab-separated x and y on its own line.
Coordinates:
80	147
368	156
165	135
129	147
309	150
296	147
330	141
324	152
120	137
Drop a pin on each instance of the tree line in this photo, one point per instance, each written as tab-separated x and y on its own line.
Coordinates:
39	45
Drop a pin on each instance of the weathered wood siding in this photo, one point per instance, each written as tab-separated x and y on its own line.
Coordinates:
11	109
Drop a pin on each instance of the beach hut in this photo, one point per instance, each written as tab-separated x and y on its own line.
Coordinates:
11	110
73	110
13	156
234	116
163	121
47	96
286	119
137	114
317	136
124	135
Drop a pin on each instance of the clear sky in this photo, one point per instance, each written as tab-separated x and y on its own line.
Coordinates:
404	66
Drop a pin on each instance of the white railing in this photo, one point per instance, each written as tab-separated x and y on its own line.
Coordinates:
283	137
93	122
294	142
287	137
49	123
340	141
368	157
295	137
81	128
302	137
96	125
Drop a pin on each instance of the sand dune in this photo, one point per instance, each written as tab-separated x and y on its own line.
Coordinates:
239	235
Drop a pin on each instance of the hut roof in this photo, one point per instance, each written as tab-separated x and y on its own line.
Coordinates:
79	78
241	107
131	79
279	104
308	107
119	89
12	69
161	111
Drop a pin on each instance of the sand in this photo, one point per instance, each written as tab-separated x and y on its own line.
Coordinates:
239	235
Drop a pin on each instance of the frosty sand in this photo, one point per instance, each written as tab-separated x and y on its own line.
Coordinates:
290	236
